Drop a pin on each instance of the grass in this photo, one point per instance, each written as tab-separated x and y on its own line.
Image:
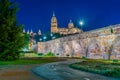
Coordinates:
103	67
31	61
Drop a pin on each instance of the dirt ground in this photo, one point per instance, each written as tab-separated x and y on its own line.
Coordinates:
18	72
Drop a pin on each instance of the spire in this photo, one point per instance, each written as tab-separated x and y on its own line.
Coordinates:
53	14
70	21
39	32
31	31
28	31
54	19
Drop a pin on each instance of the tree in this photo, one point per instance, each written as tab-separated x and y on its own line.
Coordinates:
11	38
26	40
111	30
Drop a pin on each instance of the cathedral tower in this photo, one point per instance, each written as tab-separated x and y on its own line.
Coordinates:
54	24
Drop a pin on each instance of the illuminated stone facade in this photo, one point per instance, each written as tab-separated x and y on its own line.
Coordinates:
63	31
101	43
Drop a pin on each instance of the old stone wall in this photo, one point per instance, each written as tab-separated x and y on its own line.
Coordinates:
92	44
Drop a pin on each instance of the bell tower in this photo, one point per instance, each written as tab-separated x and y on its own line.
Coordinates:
54	24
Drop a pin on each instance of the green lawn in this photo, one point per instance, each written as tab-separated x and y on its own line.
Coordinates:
31	61
103	67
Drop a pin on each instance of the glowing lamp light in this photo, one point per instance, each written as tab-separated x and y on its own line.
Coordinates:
40	39
44	37
81	23
53	37
51	34
25	49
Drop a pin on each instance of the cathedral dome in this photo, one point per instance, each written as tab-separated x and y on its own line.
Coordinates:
70	25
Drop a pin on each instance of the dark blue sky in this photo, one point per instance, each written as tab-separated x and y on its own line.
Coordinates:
36	14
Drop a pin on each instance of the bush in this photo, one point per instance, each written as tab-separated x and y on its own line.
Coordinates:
83	57
22	54
57	54
115	60
49	54
67	55
40	54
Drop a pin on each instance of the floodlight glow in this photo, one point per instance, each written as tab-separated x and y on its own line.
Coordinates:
40	39
25	49
44	37
51	34
53	37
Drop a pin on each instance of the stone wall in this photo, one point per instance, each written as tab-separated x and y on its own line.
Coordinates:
97	44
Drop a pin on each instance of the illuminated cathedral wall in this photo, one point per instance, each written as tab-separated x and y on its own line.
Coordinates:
90	45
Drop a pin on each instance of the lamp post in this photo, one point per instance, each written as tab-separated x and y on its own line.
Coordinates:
51	36
81	23
44	38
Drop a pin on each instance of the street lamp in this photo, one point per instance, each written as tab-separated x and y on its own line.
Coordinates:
40	39
44	38
81	23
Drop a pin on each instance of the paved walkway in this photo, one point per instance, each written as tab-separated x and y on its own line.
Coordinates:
18	72
61	71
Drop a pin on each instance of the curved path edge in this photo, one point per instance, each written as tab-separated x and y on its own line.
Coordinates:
62	71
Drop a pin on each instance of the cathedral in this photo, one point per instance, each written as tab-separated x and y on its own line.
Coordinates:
63	31
55	28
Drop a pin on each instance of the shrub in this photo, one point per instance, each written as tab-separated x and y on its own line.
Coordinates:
115	60
22	54
67	55
40	54
49	54
57	54
83	57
